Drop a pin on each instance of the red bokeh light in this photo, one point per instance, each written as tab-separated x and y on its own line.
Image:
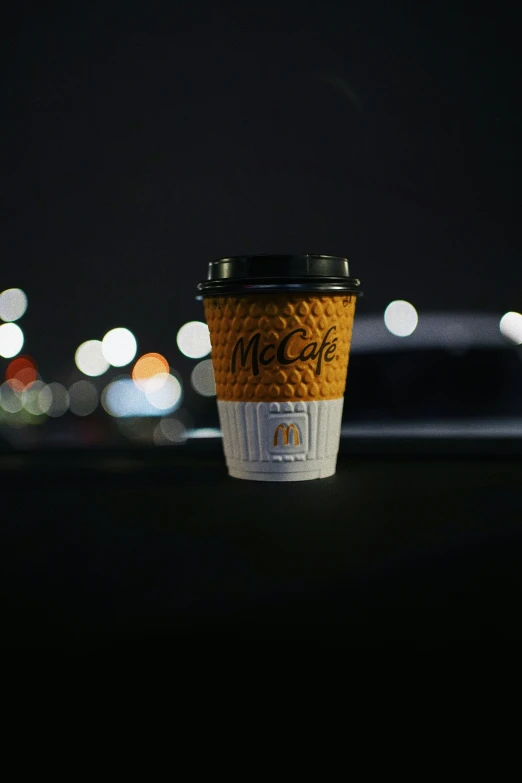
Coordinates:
21	373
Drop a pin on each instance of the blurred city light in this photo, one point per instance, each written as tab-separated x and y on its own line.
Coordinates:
202	378
11	340
10	399
138	429
54	400
13	304
119	347
150	372
31	398
168	396
122	398
45	399
83	398
206	432
16	385
90	360
194	340
401	318
21	372
170	431
511	327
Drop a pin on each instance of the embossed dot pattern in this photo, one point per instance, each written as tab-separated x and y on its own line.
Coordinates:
273	317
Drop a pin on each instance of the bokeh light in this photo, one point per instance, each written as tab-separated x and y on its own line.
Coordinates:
10	399
168	396
150	372
206	432
90	360
45	398
169	431
138	429
31	398
11	340
13	304
401	318
173	430
119	347
511	327
54	400
83	398
202	378
193	340
21	372
122	398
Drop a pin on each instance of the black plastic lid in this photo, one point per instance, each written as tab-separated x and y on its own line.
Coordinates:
267	273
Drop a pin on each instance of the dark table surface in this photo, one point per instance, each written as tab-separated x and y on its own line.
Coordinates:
418	544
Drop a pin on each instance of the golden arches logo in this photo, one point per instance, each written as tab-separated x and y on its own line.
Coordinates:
286	429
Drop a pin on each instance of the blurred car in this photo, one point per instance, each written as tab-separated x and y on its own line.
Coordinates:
455	375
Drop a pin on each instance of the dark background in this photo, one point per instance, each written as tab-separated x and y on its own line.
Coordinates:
142	140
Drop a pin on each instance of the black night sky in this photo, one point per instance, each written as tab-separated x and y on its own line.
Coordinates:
141	140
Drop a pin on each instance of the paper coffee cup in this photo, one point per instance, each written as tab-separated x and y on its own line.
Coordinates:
280	340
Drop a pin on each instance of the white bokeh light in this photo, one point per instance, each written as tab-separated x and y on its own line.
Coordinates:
45	399
11	340
168	396
172	431
83	398
511	327
401	318
13	304
54	400
194	340
202	378
122	398
90	360
135	428
31	398
10	399
119	347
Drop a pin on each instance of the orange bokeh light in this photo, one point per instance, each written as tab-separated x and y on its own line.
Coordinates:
148	367
21	373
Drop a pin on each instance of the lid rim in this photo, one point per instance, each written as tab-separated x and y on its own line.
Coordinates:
288	285
278	266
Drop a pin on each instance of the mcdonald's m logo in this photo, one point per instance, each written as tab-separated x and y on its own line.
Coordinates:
287	429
